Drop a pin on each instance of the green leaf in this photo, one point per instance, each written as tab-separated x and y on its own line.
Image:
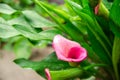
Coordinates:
107	4
59	12
79	24
115	12
6	30
67	74
2	20
23	48
91	53
95	32
49	34
67	27
6	9
36	20
97	47
115	28
115	21
116	56
33	35
19	20
9	43
50	62
27	32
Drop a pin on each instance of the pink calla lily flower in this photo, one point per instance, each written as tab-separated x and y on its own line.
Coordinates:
68	50
47	72
97	9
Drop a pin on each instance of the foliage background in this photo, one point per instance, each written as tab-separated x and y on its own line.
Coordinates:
29	24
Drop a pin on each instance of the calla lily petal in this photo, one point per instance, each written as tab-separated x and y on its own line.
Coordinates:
68	50
96	9
47	74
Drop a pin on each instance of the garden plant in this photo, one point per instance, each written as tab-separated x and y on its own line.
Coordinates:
84	34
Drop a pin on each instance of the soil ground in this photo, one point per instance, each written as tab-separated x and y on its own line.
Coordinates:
10	71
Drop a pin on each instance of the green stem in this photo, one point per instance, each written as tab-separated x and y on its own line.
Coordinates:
66	74
116	56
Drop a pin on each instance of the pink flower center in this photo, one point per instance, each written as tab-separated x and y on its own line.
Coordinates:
74	53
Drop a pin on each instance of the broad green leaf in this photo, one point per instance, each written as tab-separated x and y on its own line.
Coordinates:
114	18
36	20
33	35
21	21
9	43
27	32
23	48
6	9
49	34
50	62
2	20
6	30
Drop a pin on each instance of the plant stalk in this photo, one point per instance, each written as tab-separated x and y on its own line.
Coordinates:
116	56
